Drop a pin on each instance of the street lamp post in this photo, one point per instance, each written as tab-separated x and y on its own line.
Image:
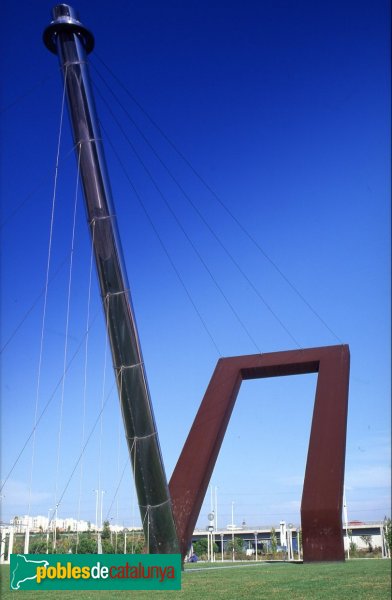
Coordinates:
55	528
11	540
256	544
102	493
232	530
345	514
290	541
96	508
216	508
283	537
210	543
125	540
211	519
47	531
299	542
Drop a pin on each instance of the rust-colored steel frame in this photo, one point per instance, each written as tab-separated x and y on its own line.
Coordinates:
322	497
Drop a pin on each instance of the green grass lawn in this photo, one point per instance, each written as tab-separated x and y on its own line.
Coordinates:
354	579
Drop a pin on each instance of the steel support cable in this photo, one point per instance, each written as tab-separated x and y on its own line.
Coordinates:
147	514
25	94
39	370
210	229
33	305
107	300
119	438
84	447
133	500
65	355
120	478
220	201
49	401
119	428
32	193
162	243
86	348
181	227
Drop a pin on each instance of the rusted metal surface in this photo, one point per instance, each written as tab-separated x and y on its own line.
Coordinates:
322	499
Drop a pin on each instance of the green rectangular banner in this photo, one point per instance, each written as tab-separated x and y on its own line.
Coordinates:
95	572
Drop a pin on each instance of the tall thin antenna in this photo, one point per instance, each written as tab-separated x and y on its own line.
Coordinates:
67	37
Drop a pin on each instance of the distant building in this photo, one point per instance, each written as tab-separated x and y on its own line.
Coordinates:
43	523
357	532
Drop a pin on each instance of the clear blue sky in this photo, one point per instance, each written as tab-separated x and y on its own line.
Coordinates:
284	109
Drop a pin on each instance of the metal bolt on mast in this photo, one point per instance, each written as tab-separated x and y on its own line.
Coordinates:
67	37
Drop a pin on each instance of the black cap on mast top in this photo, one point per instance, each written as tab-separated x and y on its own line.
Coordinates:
65	18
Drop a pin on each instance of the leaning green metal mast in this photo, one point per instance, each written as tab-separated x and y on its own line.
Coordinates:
67	37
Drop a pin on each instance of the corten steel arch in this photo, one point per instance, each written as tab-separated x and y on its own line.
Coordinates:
322	497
